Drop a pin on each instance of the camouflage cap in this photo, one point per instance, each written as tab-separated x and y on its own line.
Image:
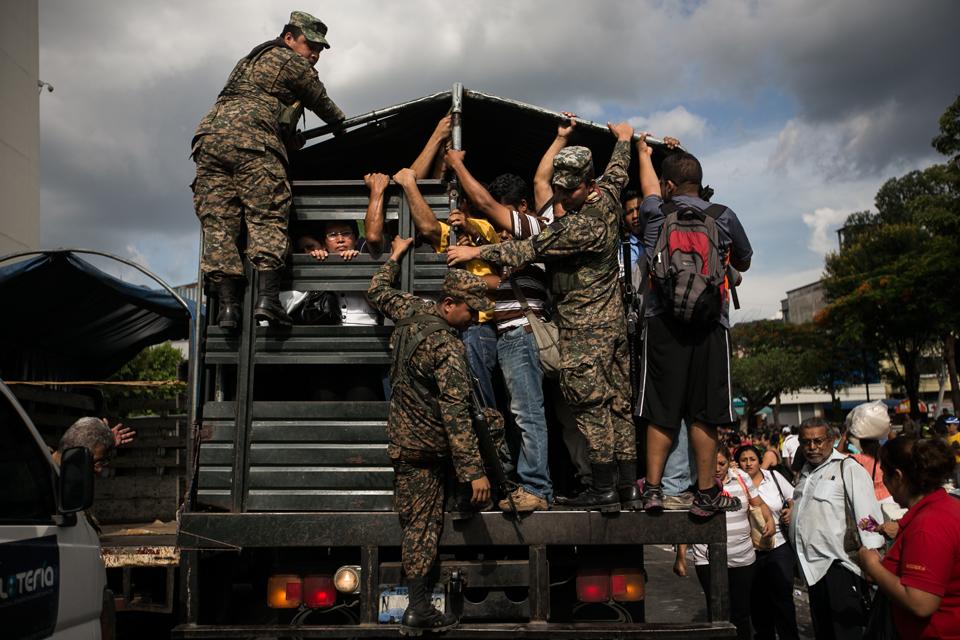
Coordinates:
463	285
313	29
571	166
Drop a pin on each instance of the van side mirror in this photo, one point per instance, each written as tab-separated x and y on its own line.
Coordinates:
76	480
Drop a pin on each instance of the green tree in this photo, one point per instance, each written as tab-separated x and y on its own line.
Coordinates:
153	364
886	292
892	286
768	361
947	141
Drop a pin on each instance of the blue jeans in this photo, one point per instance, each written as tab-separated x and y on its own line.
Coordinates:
520	364
481	343
678	475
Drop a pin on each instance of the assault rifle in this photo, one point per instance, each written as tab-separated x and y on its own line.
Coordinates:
489	451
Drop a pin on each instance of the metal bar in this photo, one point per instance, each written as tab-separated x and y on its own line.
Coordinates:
406	231
197	339
719	584
189	587
581	122
456	141
369	584
244	392
539	584
376	114
382	529
506	631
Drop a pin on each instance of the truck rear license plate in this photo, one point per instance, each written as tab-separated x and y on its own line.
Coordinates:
394	600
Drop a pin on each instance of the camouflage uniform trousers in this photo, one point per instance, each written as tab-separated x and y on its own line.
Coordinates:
418	500
595	382
236	186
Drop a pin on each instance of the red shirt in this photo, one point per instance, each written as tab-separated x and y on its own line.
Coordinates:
926	556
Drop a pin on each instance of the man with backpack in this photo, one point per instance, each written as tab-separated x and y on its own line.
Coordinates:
685	368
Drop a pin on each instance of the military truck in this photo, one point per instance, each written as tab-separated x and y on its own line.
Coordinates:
289	531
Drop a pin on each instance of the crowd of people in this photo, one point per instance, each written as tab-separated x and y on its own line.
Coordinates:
566	251
862	517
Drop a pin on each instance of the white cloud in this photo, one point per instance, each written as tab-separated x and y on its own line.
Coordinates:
678	122
823	222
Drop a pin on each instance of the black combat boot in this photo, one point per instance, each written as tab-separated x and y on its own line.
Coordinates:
630	498
602	496
420	615
268	303
228	294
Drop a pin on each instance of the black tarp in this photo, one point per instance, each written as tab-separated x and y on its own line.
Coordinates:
499	136
64	319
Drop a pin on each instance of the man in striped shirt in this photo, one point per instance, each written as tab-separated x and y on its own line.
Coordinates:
506	206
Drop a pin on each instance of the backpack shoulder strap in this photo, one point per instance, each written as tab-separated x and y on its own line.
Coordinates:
714	210
431	324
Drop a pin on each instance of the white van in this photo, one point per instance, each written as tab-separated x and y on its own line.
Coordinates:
52	579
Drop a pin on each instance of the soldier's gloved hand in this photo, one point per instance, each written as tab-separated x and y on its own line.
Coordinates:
481	490
338	128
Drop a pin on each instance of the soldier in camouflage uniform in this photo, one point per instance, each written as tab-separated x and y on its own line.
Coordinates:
429	420
240	148
582	252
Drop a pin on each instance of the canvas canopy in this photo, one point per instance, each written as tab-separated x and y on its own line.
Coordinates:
65	319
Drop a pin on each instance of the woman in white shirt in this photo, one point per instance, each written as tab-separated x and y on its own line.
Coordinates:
740	554
771	601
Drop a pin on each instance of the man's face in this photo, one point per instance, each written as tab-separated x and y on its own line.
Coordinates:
101	458
953	428
816	444
338	237
573	199
458	314
631	215
303	47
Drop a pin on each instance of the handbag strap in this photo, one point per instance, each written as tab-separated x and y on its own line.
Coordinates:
522	299
746	492
776	483
850	514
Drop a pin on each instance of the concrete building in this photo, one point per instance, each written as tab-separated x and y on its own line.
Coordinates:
803	303
19	126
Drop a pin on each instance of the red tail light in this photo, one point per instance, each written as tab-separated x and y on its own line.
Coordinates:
593	585
319	592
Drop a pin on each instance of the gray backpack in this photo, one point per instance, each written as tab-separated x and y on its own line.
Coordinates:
687	267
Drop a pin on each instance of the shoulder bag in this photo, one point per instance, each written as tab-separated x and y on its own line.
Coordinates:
757	521
546	335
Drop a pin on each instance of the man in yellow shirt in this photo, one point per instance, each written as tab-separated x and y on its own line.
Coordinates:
480	339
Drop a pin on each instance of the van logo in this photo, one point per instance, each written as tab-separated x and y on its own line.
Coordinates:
29	587
27	582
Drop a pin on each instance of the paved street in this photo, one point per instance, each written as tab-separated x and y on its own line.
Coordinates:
673	599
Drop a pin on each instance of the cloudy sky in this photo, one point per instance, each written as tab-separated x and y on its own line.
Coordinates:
798	109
